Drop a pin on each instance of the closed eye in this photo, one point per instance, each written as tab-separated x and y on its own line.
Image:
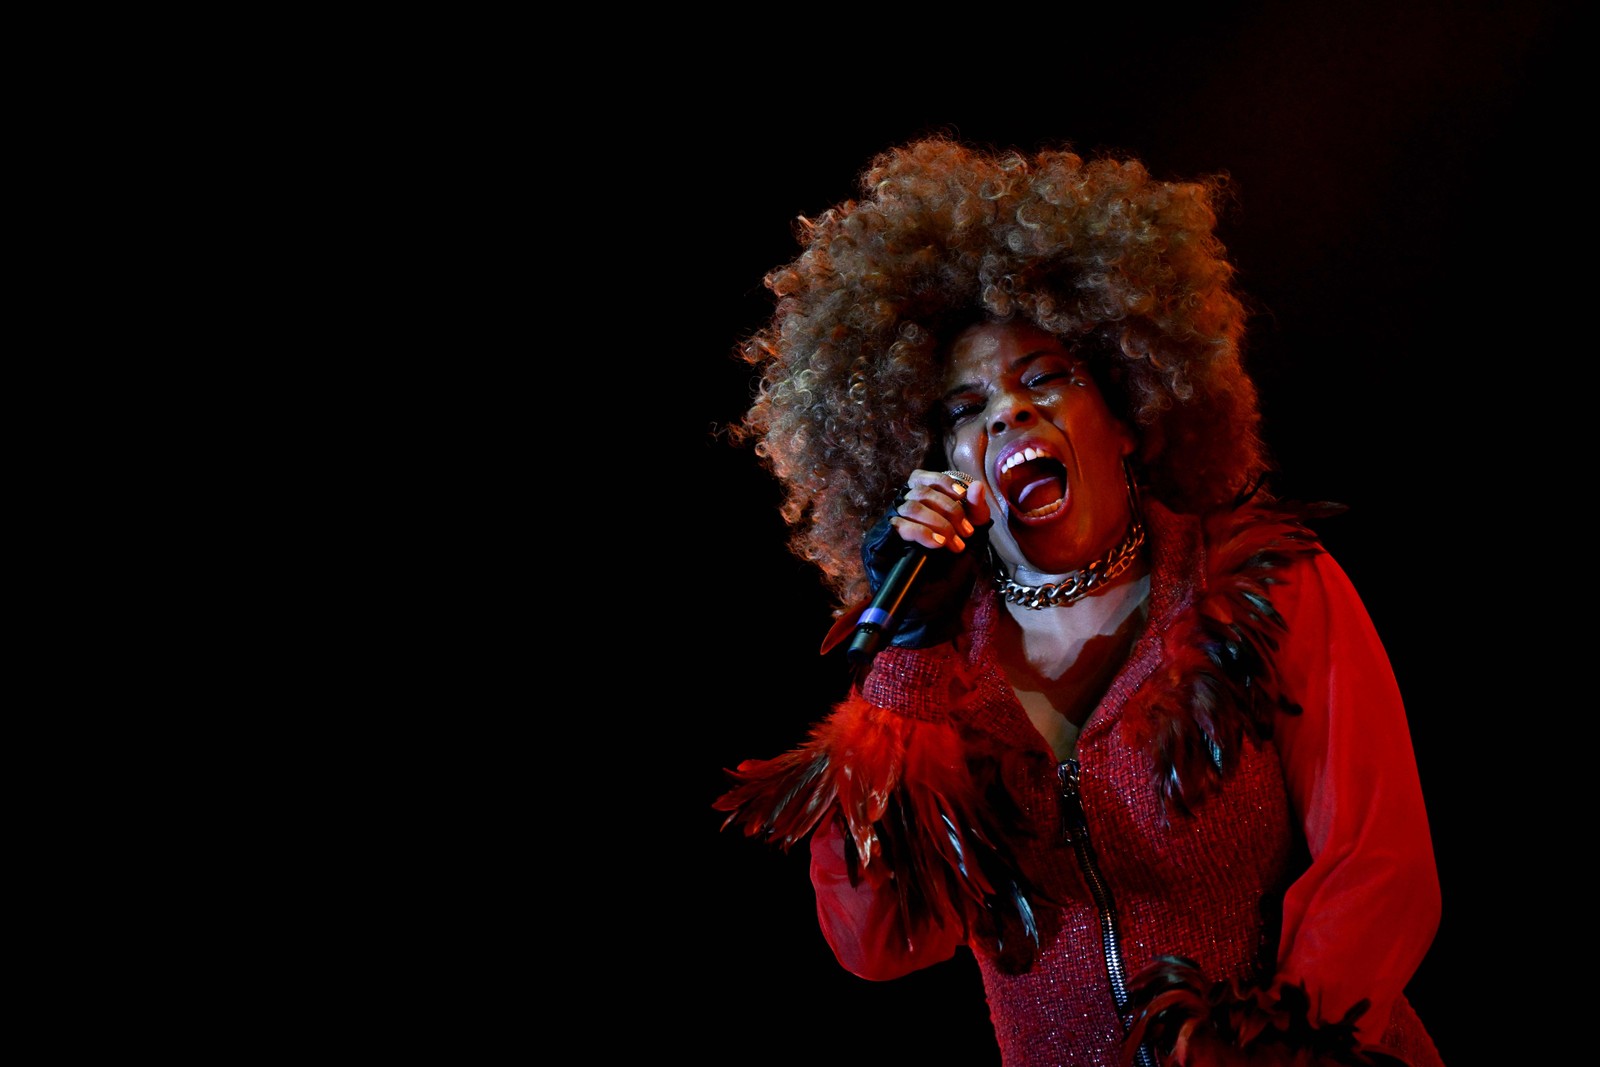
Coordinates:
956	416
1041	379
960	410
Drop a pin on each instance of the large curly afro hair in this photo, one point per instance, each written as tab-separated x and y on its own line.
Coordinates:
1127	269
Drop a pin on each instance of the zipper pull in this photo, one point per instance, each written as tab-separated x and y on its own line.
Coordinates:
1071	802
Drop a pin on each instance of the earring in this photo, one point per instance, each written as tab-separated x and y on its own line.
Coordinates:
1135	511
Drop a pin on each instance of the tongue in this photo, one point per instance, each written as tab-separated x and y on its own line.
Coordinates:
1039	494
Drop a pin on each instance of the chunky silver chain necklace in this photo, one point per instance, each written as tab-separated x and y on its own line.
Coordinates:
1076	585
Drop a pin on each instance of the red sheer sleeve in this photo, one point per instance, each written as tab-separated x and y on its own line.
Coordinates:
864	938
1358	923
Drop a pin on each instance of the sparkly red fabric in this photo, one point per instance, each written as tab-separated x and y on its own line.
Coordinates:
1311	862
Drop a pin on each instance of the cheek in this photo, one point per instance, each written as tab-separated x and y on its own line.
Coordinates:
1098	424
961	448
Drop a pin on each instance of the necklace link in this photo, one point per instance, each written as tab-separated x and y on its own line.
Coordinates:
1076	585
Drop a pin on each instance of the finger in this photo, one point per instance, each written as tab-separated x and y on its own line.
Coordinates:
925	535
977	505
937	501
945	492
957	484
941	516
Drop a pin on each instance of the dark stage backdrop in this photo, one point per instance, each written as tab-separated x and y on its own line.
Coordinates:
1399	203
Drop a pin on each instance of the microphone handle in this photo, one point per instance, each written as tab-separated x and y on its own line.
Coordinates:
886	603
870	627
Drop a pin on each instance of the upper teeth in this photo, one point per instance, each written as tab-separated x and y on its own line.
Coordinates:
1022	457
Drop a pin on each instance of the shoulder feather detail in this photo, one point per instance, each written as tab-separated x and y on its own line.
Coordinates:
1216	683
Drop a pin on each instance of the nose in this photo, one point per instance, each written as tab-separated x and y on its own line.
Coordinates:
1010	409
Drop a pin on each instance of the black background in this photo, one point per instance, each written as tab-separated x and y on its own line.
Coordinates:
1406	175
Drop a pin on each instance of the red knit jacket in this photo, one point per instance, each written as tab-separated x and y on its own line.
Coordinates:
1242	821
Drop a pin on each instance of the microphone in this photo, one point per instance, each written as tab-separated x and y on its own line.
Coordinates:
878	617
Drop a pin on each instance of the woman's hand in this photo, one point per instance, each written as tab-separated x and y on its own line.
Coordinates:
935	510
940	509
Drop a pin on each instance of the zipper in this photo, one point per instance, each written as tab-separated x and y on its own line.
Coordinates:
1077	835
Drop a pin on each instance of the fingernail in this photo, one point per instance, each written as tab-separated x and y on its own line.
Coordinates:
939	538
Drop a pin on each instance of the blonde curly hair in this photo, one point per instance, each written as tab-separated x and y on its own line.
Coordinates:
1127	269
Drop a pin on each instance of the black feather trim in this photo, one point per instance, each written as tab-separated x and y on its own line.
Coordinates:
924	801
1216	684
1194	1022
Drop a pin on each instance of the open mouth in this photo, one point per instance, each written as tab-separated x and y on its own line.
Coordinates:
1033	483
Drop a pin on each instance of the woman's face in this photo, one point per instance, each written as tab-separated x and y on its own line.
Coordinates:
1023	415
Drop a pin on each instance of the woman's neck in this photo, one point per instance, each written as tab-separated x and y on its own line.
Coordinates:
1060	660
